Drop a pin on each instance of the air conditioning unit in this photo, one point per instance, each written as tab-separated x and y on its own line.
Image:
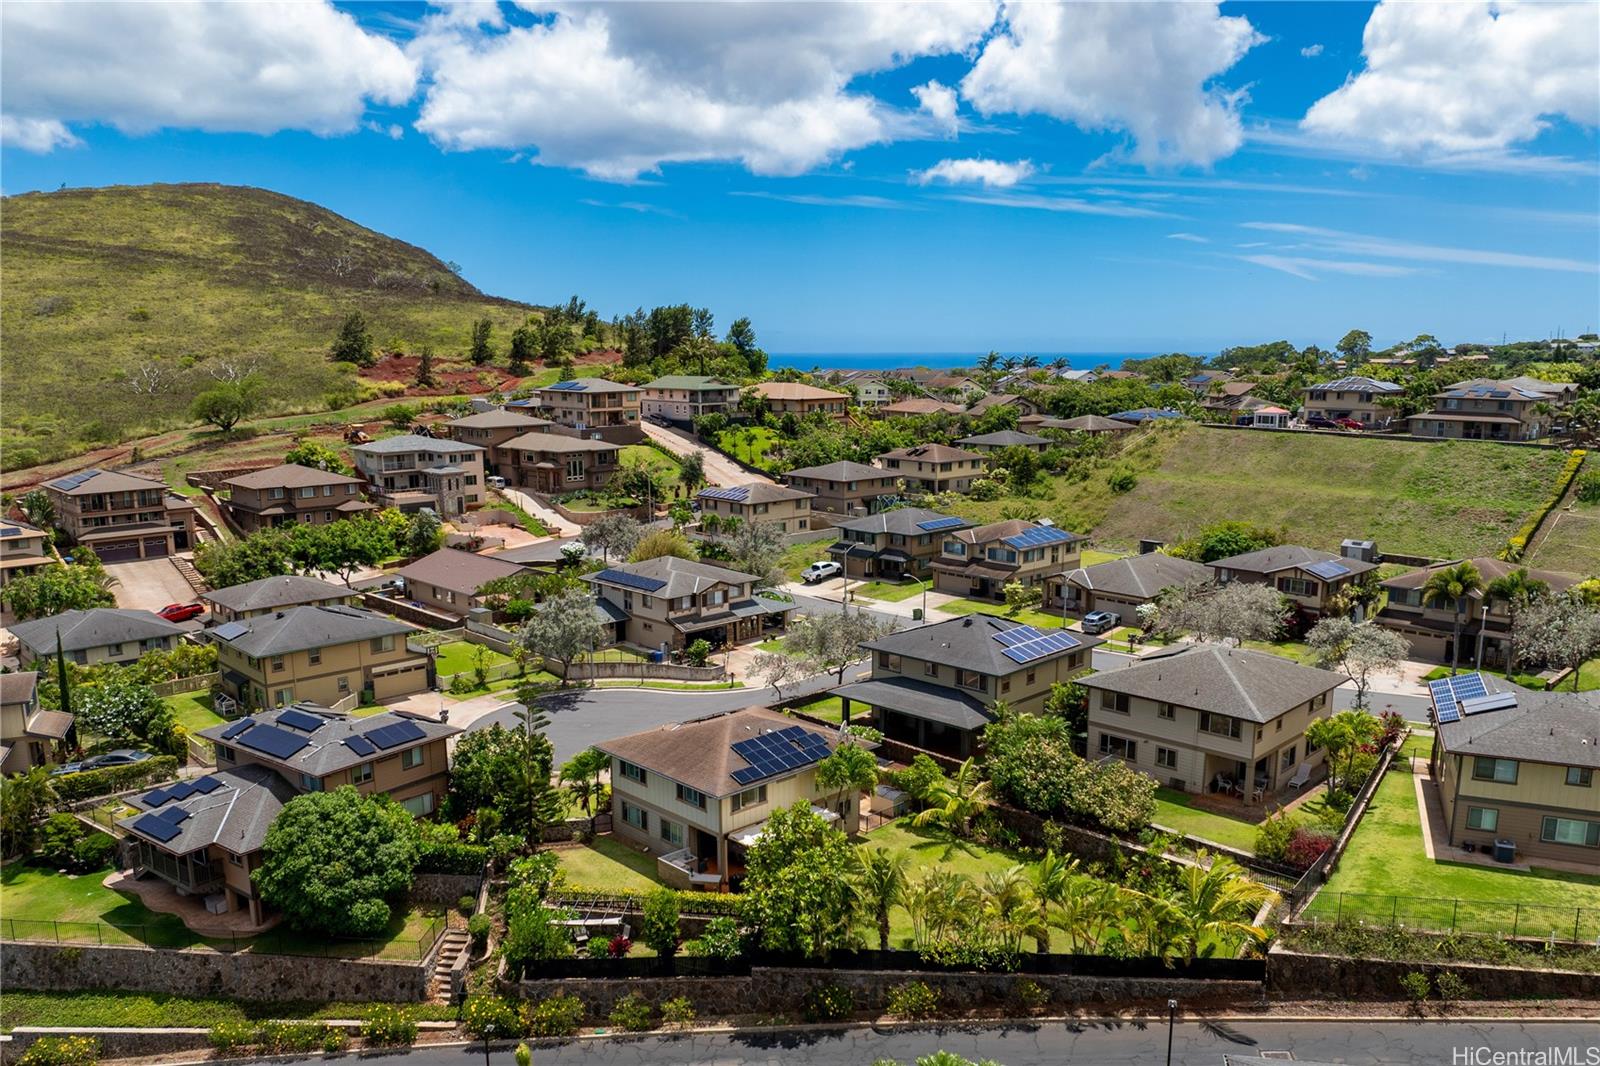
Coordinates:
1364	550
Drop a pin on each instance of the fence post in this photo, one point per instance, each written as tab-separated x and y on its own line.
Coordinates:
57	924
1455	908
1338	917
1394	912
1577	921
98	939
1516	921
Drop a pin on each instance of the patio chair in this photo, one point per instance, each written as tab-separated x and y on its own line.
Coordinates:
1301	777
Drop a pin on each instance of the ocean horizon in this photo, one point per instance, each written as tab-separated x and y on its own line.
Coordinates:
896	360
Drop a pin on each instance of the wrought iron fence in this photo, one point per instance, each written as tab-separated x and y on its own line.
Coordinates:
175	936
1434	914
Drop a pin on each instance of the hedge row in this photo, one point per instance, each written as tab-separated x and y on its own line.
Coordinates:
90	783
1518	543
451	858
695	903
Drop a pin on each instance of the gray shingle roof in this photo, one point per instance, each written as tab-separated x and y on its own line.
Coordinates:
91	482
1087	424
290	476
300	628
1254	685
457	570
902	520
556	443
543	552
699	753
18	686
235	816
1138	576
933	703
326	752
932	453
270	593
1287	556
761	492
499	419
94	628
967	644
844	470
412	442
682	577
1005	438
1550	727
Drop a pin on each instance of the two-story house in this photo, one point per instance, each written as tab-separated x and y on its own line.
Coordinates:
1122	586
934	687
318	654
758	502
1430	627
799	399
1006	438
121	516
844	488
593	406
289	494
272	594
871	392
981	562
682	398
29	736
1311	579
893	545
674	602
1486	409
411	472
491	429
99	635
916	406
553	463
1352	397
697	794
932	468
1517	766
448	580
23	549
1026	407
204	835
1208	718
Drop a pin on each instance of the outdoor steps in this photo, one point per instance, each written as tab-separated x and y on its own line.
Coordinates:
454	944
190	574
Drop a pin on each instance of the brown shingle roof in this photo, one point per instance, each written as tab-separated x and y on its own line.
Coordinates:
1489	569
289	476
932	453
795	390
700	753
458	571
920	405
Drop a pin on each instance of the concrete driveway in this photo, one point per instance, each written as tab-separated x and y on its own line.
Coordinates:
720	470
557	525
149	584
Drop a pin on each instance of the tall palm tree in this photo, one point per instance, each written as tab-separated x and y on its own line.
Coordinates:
881	883
1052	881
1453	585
1060	364
849	767
989	362
1213	906
1010	911
581	775
955	802
1518	589
937	902
1029	362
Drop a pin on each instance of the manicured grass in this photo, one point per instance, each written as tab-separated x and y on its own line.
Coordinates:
775	645
619	654
674	686
609	864
1386	860
143	1010
1028	615
889	591
1417	746
1289	649
1570	538
461	657
526	520
828	707
1177	810
193	710
665	466
796	557
1094	556
1117	639
750	445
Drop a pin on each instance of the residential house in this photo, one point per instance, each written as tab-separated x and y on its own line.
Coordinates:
490	429
290	494
1226	402
99	635
913	406
593	405
121	516
412	472
1486	409
871	392
1205	382
1093	425
1352	397
674	602
1486	620
1006	438
554	463
1517	766
684	397
932	468
981	562
759	502
1024	405
1208	718
1122	586
1311	579
1082	377
1140	416
893	545
968	389
29	736
23	549
549	554
799	399
272	594
844	488
935	687
1257	414
448	580
698	794
319	654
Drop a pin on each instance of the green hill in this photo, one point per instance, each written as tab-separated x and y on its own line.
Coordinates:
106	291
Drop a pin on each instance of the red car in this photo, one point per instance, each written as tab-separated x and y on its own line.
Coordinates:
181	612
1348	423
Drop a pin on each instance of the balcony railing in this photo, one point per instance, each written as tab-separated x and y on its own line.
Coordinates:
687	863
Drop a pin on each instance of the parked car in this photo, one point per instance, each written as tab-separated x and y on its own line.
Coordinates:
181	612
1348	423
1321	422
821	571
1099	622
120	757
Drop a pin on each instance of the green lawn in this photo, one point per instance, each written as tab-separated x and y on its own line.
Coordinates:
750	445
775	645
1385	877
193	710
673	686
460	657
1289	649
664	465
1094	557
1570	538
147	1010
526	520
828	707
796	557
889	591
1588	677
1117	639
1417	746
1177	810
609	864
1028	615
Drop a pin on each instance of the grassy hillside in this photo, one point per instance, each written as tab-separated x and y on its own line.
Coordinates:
1570	541
100	286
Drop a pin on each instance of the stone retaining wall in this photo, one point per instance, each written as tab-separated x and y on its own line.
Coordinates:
115	1043
445	889
1291	974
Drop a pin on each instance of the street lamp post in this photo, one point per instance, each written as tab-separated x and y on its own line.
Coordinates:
1172	1017
1483	624
488	1031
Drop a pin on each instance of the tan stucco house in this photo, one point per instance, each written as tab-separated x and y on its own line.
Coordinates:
843	488
289	494
29	736
99	635
758	502
933	468
981	562
448	580
675	602
1430	627
23	549
320	655
892	545
410	472
799	399
121	516
1121	586
1309	578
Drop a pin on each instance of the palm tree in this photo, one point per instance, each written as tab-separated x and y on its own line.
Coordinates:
881	883
1453	585
1518	589
989	362
1010	911
581	775
937	903
710	522
955	802
1060	364
1210	907
850	767
1029	362
38	509
1052	882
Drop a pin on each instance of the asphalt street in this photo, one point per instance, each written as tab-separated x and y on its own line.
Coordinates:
1110	1043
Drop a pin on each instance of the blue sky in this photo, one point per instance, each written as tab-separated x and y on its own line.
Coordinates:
1109	178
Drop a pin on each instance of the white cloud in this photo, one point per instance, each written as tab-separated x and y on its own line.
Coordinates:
820	200
36	134
1144	69
989	172
1059	204
1345	243
1308	268
938	100
1465	78
242	67
618	89
1192	238
1311	51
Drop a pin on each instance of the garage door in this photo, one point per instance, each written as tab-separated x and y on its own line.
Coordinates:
117	551
155	547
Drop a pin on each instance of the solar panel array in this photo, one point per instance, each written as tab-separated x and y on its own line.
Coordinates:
279	743
359	745
1033	538
1328	569
238	727
297	719
632	581
230	631
10	531
737	493
153	826
174	816
1450	692
1494	701
1024	644
568	386
392	736
933	525
181	790
778	752
72	481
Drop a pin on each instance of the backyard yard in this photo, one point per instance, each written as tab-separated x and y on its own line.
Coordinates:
1028	615
1588	677
461	656
193	710
1180	811
889	591
608	864
829	708
749	445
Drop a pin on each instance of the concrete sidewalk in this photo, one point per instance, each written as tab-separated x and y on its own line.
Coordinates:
561	527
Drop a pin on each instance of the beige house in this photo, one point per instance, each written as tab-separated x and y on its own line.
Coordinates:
893	545
121	516
934	687
871	392
448	580
554	463
913	406
1352	397
1121	586
798	399
29	736
411	472
1517	766
590	404
272	594
843	488
932	468
685	397
675	602
981	562
1430	627
1486	409
758	502
697	795
1025	406
321	655
23	549
1092	425
289	494
1208	718
491	429
1007	438
98	635
1309	578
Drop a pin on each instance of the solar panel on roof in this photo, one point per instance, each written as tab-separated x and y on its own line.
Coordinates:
1444	701
1468	686
392	736
632	581
238	727
279	743
297	719
1032	538
1494	701
181	790
152	826
1024	644
155	797
568	386
173	816
230	631
737	493
1328	569
359	745
206	784
746	775
10	531
933	525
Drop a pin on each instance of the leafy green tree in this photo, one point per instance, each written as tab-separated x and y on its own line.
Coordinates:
1355	346
956	801
581	775
1226	539
1561	631
482	769
481	351
1212	907
663	542
756	548
659	925
742	335
563	628
848	768
126	711
425	378
399	415
58	587
1031	763
524	346
25	800
1341	737
881	883
317	455
610	533
1452	586
799	891
692	470
37	507
333	861
1020	596
1357	650
354	342
1516	590
424	534
226	403
833	639
919	780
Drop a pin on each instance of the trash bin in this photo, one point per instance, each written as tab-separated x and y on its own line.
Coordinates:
916	614
656	657
1505	851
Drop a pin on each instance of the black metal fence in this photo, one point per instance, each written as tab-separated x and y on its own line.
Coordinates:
174	936
1433	914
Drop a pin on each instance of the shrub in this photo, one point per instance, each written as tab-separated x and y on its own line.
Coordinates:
1121	481
1415	986
631	1014
90	783
1589	487
1306	846
389	1027
94	852
230	1036
1030	995
61	1051
58	837
1452	988
1272	836
720	940
335	1041
482	1015
557	1016
467	904
478	928
661	923
619	947
914	999
829	1003
678	1011
524	1055
599	949
285	1038
452	857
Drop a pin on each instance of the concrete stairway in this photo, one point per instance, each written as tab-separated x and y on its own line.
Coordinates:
190	574
454	944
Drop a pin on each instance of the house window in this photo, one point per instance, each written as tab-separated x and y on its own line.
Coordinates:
411	758
1121	747
1287	759
1166	758
672	833
1570	831
635	816
224	754
382	644
235	860
889	661
1164	710
113	650
1500	771
632	772
344	685
419	805
361	774
750	797
692	797
1031	674
1297	586
1483	819
277	664
1581	776
314	656
1220	724
1114	701
971	679
931	669
310	784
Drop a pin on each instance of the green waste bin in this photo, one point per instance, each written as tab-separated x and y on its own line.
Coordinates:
916	614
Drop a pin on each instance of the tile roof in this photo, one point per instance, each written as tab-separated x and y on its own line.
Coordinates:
921	405
270	593
300	628
457	570
1254	685
967	643
290	476
93	628
1138	576
700	753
